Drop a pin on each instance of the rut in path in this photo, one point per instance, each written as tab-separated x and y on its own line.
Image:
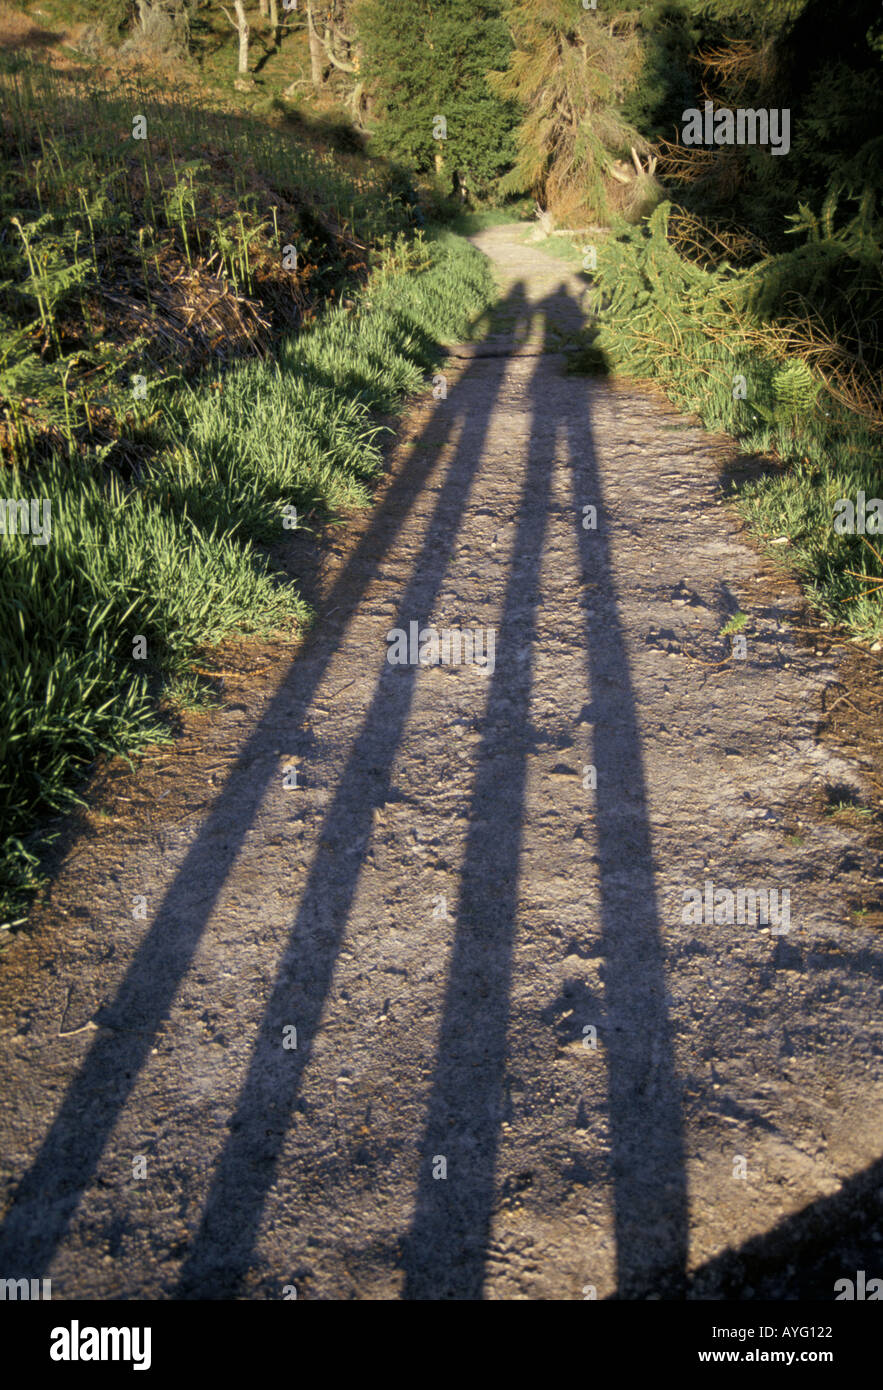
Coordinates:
518	1071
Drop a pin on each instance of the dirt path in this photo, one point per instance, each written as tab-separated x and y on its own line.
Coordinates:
445	907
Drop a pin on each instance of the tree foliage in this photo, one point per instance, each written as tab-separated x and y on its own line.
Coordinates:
430	58
822	63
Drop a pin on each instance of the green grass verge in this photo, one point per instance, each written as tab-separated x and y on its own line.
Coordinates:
563	248
466	223
696	332
174	558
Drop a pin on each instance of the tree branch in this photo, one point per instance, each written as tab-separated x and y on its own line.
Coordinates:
337	62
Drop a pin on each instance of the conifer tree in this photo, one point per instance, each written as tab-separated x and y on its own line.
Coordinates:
429	59
570	70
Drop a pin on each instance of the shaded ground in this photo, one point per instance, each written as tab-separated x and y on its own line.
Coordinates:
475	870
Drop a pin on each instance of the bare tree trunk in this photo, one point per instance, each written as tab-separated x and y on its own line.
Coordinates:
242	26
265	9
356	103
317	51
274	21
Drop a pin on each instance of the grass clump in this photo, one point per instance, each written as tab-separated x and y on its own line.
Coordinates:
733	625
93	626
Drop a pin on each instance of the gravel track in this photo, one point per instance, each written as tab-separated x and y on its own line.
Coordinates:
445	907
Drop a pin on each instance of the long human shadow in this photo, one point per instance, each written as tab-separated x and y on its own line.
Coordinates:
48	1194
648	1165
446	1250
